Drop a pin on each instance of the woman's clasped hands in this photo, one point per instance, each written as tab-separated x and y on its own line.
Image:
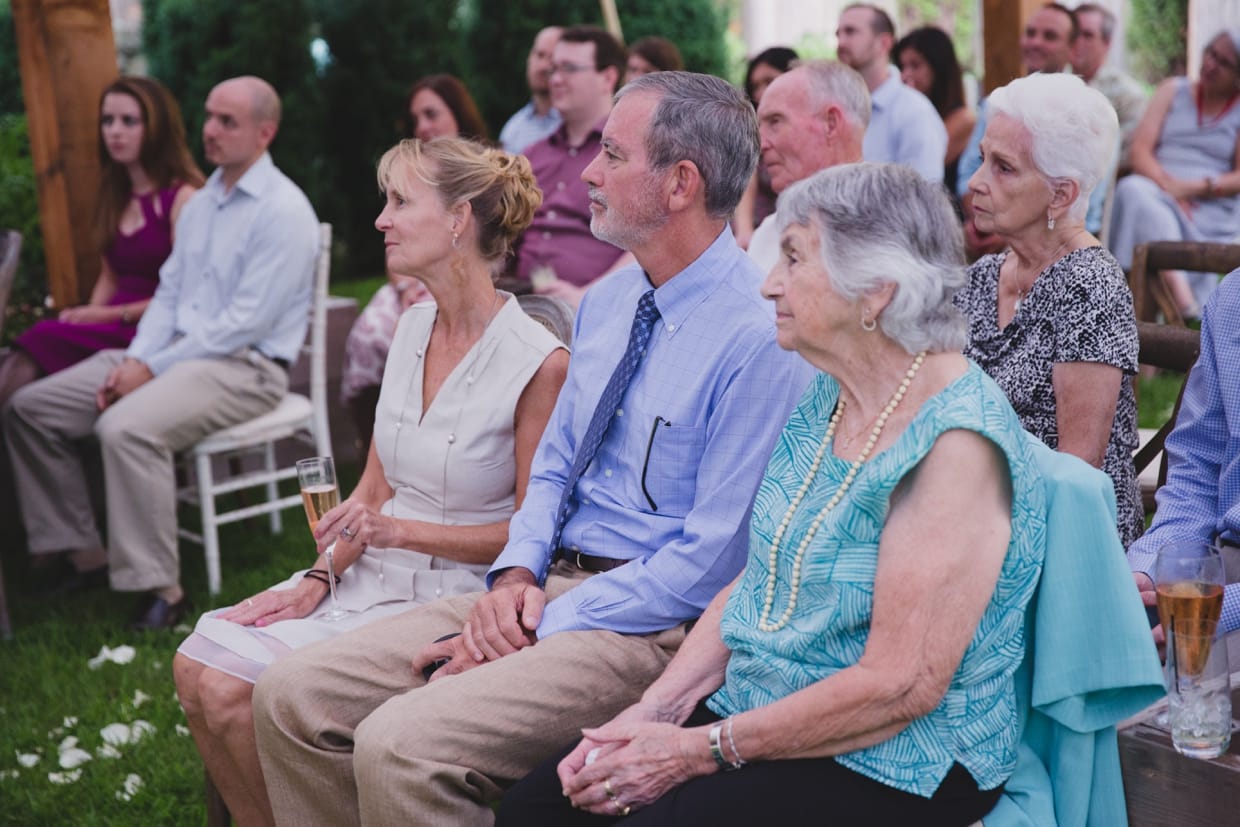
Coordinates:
631	761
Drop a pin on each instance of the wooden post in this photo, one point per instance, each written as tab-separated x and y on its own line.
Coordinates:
1002	24
67	57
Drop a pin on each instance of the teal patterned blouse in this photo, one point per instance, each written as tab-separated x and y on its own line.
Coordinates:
976	722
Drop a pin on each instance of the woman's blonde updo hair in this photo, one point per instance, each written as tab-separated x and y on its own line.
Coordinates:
499	187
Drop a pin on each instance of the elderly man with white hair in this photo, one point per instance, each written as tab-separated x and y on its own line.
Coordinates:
1051	319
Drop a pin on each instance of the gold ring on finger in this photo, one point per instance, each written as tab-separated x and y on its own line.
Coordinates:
627	809
607	788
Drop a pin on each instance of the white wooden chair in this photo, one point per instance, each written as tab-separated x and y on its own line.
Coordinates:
295	416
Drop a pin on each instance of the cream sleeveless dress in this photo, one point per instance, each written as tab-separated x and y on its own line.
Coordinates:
453	465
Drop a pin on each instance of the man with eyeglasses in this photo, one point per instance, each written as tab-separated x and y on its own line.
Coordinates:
558	255
635	515
538	118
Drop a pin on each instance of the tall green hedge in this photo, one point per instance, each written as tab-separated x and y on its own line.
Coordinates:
1156	37
378	48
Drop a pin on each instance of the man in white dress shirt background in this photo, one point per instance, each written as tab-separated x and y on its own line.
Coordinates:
211	350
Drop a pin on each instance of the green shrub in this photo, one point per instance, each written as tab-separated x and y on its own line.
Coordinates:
191	45
1156	37
10	78
378	48
19	210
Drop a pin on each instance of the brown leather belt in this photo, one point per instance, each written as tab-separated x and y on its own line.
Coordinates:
588	562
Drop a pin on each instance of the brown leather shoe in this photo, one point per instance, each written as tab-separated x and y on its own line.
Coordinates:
156	613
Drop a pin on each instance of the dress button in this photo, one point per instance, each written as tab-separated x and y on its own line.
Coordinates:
619	411
551	214
607	473
451	438
398	424
419	353
546	235
671	328
559	185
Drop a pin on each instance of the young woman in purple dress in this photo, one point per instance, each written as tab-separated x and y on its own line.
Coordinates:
147	174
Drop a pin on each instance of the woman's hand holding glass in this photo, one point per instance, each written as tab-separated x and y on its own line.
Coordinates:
354	526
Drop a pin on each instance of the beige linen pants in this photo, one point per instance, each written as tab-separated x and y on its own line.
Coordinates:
348	734
138	436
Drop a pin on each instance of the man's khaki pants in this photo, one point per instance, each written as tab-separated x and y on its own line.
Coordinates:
138	437
348	734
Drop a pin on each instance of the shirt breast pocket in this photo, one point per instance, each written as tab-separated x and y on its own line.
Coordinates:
669	472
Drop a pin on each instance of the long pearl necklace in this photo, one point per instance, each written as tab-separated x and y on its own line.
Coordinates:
764	622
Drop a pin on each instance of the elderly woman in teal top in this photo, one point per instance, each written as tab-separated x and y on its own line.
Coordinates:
860	668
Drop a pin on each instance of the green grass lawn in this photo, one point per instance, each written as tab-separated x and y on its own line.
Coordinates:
48	692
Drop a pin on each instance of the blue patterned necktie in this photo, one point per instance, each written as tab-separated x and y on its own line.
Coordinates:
643	323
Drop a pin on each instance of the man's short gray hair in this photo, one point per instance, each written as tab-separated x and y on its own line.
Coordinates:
1107	27
1074	128
705	120
830	82
884	224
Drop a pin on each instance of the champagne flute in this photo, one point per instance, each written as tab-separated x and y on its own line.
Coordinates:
320	494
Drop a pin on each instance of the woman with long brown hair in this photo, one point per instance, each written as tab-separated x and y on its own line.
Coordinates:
147	174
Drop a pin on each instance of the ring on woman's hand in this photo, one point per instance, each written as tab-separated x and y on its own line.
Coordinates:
607	789
625	810
347	533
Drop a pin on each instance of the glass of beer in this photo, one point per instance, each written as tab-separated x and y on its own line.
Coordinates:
320	494
1188	580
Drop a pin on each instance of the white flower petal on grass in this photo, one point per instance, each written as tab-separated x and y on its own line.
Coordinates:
183	628
140	730
69	743
182	729
70	722
74	757
139	698
116	735
27	759
121	654
9	774
108	751
68	777
133	783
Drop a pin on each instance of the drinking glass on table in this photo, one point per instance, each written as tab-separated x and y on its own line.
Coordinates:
320	494
1188	581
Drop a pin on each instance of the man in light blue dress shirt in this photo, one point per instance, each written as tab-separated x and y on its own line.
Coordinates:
1201	498
656	524
904	126
537	119
211	350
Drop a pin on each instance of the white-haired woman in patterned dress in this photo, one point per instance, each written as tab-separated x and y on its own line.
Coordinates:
855	666
1051	318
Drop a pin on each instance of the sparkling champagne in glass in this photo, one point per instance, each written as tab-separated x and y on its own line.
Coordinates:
320	494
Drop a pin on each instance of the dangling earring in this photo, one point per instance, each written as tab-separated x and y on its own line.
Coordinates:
868	324
1050	222
456	242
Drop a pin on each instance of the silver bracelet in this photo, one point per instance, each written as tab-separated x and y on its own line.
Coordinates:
740	762
716	750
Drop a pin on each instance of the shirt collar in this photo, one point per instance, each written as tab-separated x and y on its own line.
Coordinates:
253	182
882	96
677	298
559	138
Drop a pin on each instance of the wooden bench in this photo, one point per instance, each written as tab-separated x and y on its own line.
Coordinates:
1163	787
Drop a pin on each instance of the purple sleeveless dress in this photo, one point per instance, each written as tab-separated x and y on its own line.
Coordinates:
135	259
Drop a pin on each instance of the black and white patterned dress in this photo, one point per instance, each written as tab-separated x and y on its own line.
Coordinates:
1078	310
